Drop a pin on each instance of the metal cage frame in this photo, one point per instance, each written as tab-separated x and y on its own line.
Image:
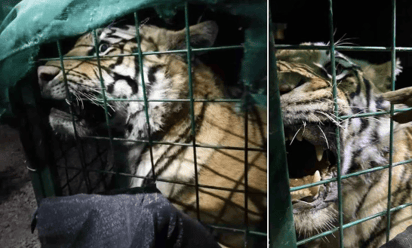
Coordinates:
282	234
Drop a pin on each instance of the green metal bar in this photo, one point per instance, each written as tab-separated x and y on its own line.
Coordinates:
281	226
178	100
344	48
377	168
163	180
180	144
337	48
337	130
393	64
146	104
209	49
353	223
192	112
70	100
344	117
106	114
239	230
246	126
169	100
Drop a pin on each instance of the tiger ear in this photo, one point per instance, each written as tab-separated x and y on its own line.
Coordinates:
380	74
201	35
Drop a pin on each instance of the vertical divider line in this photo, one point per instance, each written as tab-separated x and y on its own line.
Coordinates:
337	130
281	225
246	124
146	104
192	112
106	114
76	136
393	64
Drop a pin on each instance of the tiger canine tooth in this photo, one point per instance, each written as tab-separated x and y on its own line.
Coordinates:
319	152
316	178
312	191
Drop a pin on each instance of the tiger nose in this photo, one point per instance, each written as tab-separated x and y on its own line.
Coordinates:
46	74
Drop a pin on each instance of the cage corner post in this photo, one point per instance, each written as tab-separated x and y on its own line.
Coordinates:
281	225
34	137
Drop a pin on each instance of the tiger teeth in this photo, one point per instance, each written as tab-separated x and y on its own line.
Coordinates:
316	178
319	152
312	191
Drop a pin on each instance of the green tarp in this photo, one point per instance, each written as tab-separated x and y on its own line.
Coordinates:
34	22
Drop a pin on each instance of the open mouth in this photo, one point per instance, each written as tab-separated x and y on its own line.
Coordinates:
83	113
311	155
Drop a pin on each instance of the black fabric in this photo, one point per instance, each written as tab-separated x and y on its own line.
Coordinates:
402	240
126	220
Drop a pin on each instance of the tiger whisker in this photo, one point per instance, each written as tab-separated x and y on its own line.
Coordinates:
295	136
330	118
324	135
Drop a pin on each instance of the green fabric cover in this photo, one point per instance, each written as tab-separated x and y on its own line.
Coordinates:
34	22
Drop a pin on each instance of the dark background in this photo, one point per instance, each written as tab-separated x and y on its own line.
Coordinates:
366	23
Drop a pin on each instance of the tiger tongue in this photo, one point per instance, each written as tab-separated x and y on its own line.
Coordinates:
312	191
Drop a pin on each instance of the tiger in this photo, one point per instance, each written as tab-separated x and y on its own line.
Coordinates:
220	172
310	126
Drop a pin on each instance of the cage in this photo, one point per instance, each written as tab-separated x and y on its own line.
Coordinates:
373	33
61	165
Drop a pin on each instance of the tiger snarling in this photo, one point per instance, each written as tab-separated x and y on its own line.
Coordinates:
166	78
305	83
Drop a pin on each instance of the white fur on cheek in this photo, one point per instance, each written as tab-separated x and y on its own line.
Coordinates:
121	87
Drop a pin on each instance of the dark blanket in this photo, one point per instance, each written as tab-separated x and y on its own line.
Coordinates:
125	220
402	240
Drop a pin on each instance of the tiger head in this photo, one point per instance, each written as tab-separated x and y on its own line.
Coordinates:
165	77
310	124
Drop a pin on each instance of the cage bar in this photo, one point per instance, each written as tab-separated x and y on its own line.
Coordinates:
393	64
146	104
206	49
337	130
70	101
281	225
192	112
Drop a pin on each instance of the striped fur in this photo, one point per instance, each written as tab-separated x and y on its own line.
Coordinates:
307	102
166	77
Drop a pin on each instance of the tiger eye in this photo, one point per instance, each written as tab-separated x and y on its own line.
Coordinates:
103	47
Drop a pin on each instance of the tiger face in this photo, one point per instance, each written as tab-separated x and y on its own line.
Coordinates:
310	128
165	77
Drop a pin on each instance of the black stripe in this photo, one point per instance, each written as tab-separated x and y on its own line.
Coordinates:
123	27
356	110
152	78
375	137
132	83
358	89
379	102
152	71
353	165
368	91
364	125
136	64
110	88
